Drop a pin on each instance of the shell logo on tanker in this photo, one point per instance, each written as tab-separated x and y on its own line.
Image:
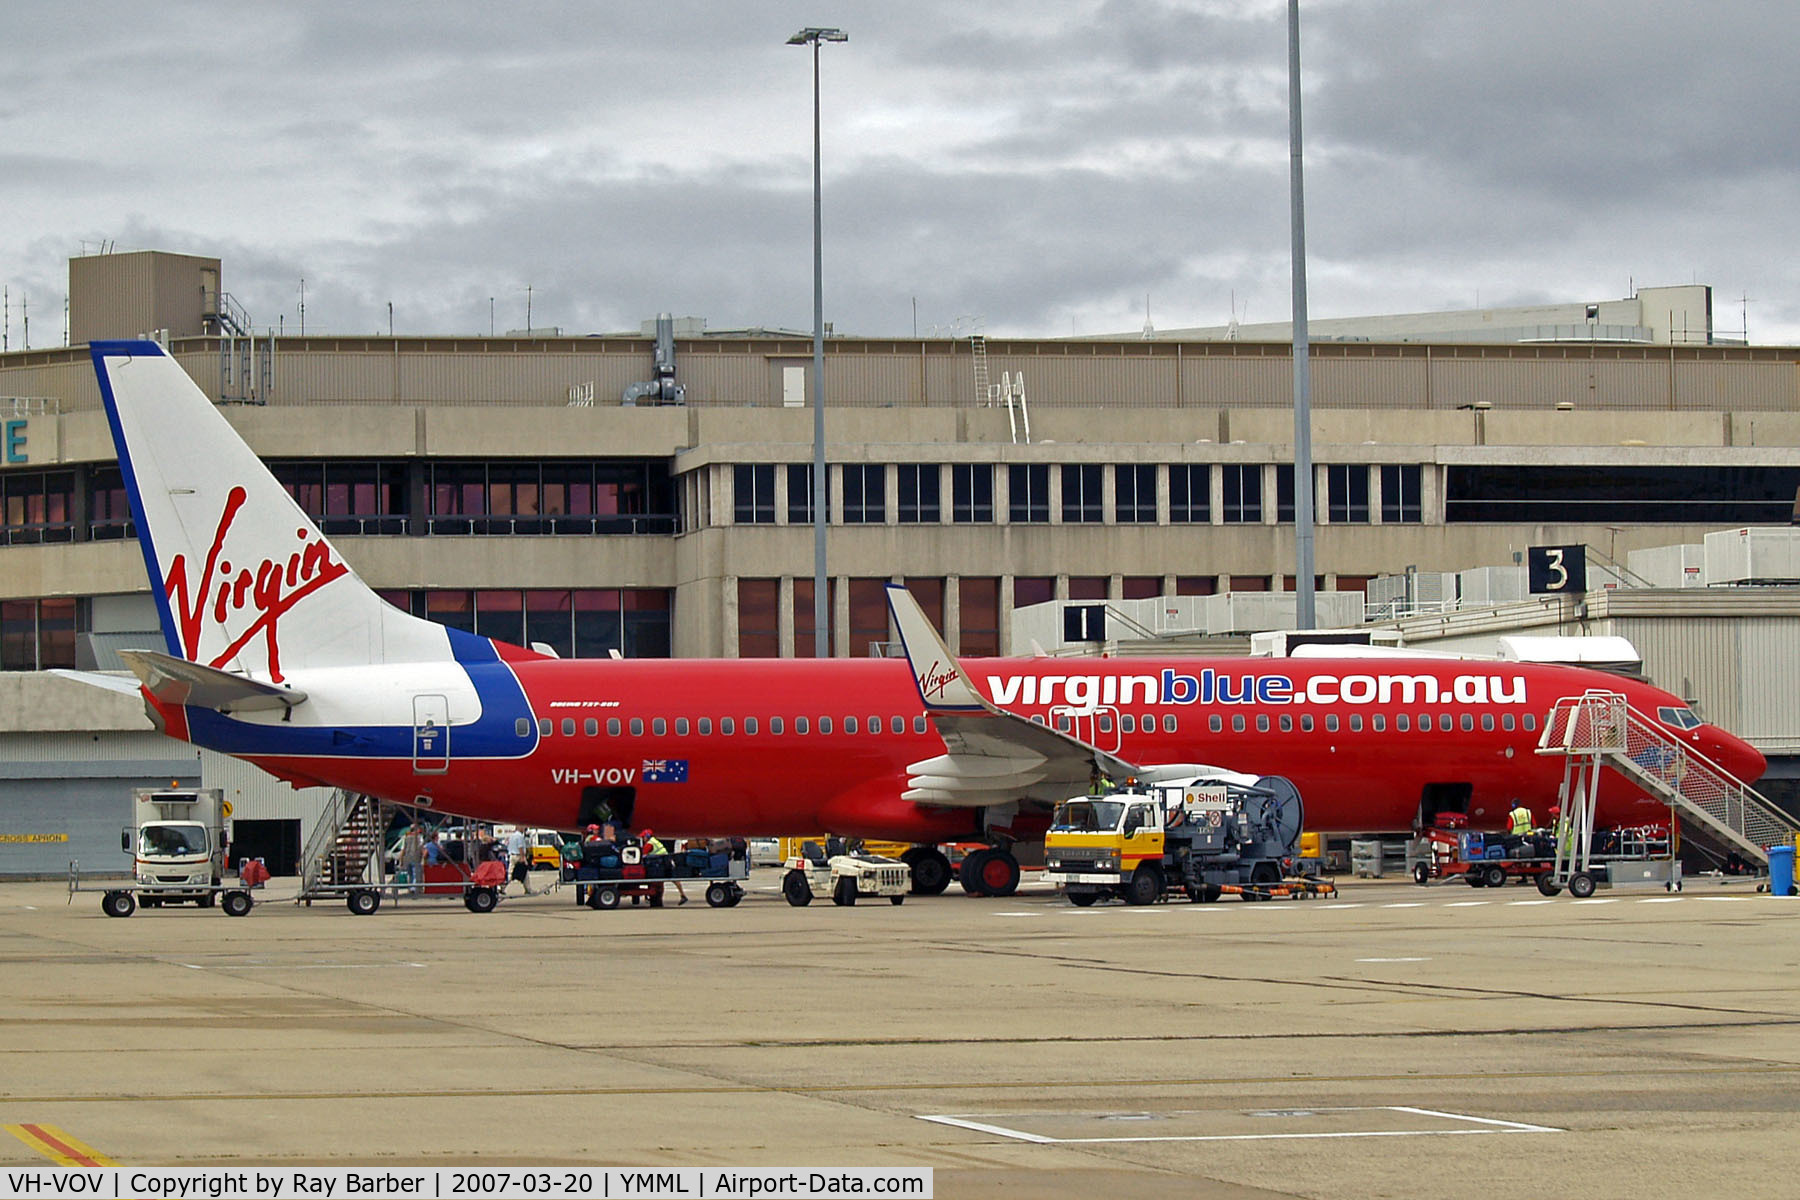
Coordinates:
1220	687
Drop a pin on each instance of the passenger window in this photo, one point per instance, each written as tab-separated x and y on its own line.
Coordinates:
1287	723
1468	722
874	724
522	727
681	726
1530	722
1038	719
1062	722
775	725
1507	722
1355	722
1306	723
897	724
918	724
705	726
612	727
824	724
1147	723
749	726
1262	723
1106	723
545	727
637	727
1216	723
659	727
849	724
727	727
1169	723
591	727
1331	722
800	725
1403	723
568	724
1237	723
1128	724
1445	723
1487	722
1378	723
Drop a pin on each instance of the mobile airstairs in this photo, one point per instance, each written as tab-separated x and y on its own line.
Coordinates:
1600	730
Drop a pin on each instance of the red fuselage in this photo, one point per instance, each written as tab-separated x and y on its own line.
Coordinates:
1362	738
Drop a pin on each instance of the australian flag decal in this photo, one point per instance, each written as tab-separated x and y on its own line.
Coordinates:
665	770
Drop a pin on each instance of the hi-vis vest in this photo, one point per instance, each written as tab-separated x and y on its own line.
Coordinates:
1521	820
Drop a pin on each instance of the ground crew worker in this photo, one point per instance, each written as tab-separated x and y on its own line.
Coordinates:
1520	816
652	847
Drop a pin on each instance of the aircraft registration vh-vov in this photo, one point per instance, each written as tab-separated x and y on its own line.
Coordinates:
276	652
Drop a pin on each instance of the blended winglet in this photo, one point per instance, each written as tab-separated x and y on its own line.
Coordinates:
943	685
179	682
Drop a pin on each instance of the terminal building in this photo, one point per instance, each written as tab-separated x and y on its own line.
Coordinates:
625	494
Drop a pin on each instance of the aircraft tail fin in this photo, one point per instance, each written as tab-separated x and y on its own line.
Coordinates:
243	580
943	685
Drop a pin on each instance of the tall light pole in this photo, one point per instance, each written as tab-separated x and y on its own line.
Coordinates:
821	606
1304	611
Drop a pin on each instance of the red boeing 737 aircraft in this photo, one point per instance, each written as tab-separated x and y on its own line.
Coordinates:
277	653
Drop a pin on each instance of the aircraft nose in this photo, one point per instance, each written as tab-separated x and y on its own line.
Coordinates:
1737	756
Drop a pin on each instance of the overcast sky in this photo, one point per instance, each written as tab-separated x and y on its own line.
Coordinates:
1039	167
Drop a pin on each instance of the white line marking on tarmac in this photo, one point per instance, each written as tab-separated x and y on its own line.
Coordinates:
1015	914
1406	904
1518	903
1727	899
1599	900
1662	899
1388	960
1467	903
1489	1125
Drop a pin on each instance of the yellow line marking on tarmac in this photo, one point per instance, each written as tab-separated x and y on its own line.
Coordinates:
59	1147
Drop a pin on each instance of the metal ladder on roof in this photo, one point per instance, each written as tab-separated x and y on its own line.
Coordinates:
1719	807
984	394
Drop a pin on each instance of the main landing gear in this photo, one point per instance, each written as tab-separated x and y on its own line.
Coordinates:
991	871
930	870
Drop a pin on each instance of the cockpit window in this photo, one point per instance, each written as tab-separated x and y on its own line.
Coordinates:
1678	718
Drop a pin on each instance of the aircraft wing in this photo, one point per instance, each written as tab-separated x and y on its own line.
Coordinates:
993	756
176	681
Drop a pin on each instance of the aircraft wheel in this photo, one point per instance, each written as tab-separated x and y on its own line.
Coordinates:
969	873
362	901
1145	886
718	895
483	900
930	870
996	873
1581	885
118	904
796	890
236	904
843	892
604	898
1496	875
1083	899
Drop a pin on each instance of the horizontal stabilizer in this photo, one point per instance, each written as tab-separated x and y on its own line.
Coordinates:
112	683
176	681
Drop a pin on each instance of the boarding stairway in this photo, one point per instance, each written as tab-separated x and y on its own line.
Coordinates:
1717	807
345	844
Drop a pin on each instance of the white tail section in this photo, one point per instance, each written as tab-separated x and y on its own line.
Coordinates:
243	579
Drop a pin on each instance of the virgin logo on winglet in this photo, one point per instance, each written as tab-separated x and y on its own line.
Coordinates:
934	682
266	590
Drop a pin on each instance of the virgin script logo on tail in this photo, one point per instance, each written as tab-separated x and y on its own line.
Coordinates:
263	590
